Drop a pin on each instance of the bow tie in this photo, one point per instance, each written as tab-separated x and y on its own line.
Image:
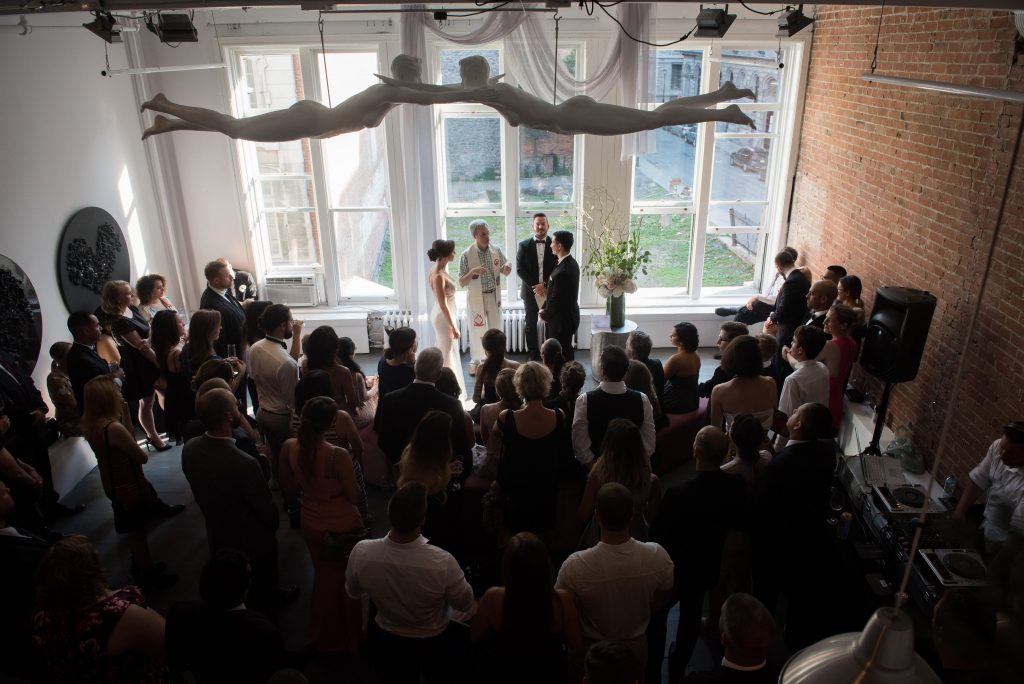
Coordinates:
540	242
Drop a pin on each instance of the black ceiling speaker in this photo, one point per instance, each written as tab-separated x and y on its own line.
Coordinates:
896	333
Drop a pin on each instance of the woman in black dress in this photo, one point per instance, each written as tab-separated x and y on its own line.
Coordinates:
179	400
141	368
395	369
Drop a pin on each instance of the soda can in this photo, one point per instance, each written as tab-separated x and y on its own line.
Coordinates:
845	523
949	486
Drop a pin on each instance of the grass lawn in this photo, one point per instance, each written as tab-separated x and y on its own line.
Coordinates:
670	255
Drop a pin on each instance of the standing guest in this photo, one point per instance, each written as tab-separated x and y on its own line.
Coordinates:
561	310
572	378
810	382
275	373
747	635
413	585
848	293
444	314
551	357
179	399
534	444
610	662
999	476
366	388
217	296
141	369
682	370
120	460
233	495
480	269
203	331
151	290
838	356
254	308
694	520
619	583
62	394
526	616
638	346
428	459
493	344
728	332
791	305
330	492
322	354
505	388
748	391
834	273
534	263
759	307
448	384
638	378
26	489
84	362
83	631
395	369
612	399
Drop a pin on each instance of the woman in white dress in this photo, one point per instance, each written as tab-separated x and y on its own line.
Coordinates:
442	316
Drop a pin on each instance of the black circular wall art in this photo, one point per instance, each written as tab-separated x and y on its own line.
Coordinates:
21	325
92	251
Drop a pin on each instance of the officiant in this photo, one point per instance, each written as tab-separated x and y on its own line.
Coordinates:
534	263
480	269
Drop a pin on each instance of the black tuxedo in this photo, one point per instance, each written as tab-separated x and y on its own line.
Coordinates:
401	411
232	320
815	320
527	270
562	309
84	364
791	305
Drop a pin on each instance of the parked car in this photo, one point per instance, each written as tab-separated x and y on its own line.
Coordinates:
749	159
688	132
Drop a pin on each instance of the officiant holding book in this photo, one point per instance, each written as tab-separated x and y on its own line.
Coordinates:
480	269
534	264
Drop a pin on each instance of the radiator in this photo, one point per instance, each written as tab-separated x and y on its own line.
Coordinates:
513	324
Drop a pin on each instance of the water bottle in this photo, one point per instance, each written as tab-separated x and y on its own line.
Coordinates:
949	486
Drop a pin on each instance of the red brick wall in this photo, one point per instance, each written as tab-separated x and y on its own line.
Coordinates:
903	187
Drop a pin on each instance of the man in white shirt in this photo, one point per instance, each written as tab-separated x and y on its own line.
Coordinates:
611	399
413	585
276	373
1000	476
617	584
480	269
808	384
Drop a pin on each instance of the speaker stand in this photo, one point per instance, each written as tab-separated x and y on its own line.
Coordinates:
876	436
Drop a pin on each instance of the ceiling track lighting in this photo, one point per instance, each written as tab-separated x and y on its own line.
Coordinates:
105	26
713	23
792	22
173	27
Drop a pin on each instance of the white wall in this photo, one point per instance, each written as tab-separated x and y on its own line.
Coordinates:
69	139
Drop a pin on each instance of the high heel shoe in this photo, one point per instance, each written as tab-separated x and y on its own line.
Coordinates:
166	446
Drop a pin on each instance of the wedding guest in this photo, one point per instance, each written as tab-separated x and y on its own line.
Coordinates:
275	373
810	382
505	388
254	308
572	378
849	293
834	273
151	290
638	346
682	370
62	394
748	391
84	361
179	399
203	331
395	369
218	296
366	387
428	459
769	347
322	354
493	344
838	356
747	635
638	378
728	332
551	357
448	384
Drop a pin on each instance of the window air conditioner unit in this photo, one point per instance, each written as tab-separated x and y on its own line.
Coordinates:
293	290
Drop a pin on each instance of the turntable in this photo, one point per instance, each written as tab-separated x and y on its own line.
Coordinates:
908	499
956	567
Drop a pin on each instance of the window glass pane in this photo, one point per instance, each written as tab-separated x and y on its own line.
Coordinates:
270	81
287	193
280	158
457	228
758	71
293	238
677	74
741	168
735	215
545	166
356	168
729	259
472	149
766	122
449	70
364	253
568	57
667	237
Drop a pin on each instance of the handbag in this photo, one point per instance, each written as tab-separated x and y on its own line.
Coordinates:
337	546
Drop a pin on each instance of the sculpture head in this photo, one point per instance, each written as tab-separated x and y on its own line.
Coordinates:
475	71
407	68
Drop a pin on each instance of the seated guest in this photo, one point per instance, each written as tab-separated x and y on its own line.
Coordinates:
83	362
834	273
848	293
448	384
747	634
395	369
179	399
552	358
572	378
84	631
413	585
619	583
535	447
759	307
322	354
692	526
1000	478
638	378
820	299
838	356
682	370
769	347
526	625
748	391
233	495
610	662
119	459
493	342
151	291
62	394
220	639
809	383
612	399
638	346
324	474
399	412
505	387
366	388
728	332
623	461
427	459
791	305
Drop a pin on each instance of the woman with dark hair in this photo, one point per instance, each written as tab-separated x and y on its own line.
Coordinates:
838	356
324	474
748	391
203	331
572	378
151	289
682	370
849	291
254	308
747	437
322	354
427	459
366	388
638	377
552	358
444	314
395	369
526	626
85	631
179	399
493	342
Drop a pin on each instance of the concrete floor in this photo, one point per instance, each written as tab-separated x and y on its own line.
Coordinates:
181	541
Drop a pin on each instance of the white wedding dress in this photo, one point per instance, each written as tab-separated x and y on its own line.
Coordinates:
448	345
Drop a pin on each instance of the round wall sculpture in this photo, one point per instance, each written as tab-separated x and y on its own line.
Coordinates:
21	324
92	251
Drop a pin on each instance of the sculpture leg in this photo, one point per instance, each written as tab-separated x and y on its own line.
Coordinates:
677	116
161	124
303	119
726	93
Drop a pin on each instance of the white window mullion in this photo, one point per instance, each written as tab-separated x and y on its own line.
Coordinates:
702	183
510	194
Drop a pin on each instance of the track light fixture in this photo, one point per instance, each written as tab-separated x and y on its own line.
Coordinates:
792	22
713	23
103	26
173	28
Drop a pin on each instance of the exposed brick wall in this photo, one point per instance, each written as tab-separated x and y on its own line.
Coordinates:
903	187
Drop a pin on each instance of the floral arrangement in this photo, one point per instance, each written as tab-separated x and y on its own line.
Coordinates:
613	262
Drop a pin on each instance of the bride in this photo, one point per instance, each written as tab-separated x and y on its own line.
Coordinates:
442	316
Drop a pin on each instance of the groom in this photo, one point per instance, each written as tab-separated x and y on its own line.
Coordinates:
480	269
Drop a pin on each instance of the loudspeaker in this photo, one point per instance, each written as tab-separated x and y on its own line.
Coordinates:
897	331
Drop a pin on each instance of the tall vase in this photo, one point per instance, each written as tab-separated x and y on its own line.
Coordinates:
616	310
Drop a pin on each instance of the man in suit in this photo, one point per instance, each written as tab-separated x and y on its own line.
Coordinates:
561	309
401	411
728	332
233	495
220	278
747	633
692	525
791	305
820	299
84	363
534	263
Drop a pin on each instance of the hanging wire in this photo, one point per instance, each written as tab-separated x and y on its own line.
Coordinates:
874	57
554	88
765	14
323	54
634	38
